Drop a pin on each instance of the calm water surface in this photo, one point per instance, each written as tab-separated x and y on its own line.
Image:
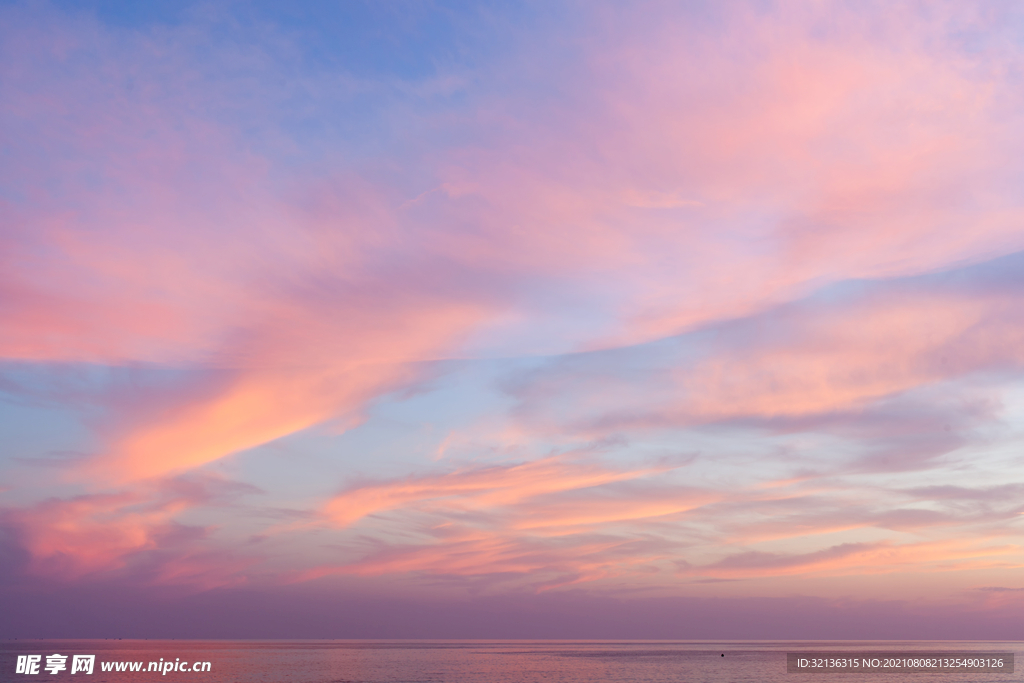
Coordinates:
348	661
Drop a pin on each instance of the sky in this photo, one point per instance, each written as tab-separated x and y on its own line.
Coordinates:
512	319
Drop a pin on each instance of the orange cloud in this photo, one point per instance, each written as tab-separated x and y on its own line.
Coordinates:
477	488
871	558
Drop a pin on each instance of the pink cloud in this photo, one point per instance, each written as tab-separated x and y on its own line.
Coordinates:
133	534
90	533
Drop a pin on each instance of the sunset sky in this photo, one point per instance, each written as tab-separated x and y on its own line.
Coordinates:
512	319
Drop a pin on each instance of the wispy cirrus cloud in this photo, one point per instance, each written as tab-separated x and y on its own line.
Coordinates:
870	558
480	489
842	349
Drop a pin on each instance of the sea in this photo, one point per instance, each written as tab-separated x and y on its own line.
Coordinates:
469	661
